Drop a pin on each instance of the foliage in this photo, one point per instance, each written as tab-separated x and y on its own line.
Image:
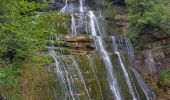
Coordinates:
26	7
8	76
23	35
144	13
109	10
165	75
164	81
15	7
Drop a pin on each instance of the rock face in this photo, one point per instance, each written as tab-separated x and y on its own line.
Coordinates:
74	44
54	6
154	53
152	57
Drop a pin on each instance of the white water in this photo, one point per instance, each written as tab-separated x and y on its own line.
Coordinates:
75	64
94	25
64	8
94	71
81	5
69	85
125	73
73	25
109	69
148	93
96	29
59	73
130	48
105	56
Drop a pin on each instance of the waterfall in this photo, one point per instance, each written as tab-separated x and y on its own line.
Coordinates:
103	74
94	24
94	69
81	76
59	73
125	73
81	5
64	8
129	46
109	68
73	25
148	93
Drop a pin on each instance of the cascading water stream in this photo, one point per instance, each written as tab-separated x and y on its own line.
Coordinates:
81	5
64	8
109	69
59	73
129	47
93	69
148	93
72	81
94	24
73	25
75	64
125	73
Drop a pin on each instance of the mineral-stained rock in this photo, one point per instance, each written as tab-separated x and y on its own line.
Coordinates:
74	44
77	38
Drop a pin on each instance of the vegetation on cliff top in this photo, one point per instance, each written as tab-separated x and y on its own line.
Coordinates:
144	13
23	35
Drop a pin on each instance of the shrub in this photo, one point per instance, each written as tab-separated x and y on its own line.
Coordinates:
147	13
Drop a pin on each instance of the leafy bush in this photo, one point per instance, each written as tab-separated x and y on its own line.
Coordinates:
165	75
23	36
144	13
27	7
109	10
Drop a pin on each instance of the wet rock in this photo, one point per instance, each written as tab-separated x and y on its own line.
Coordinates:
154	52
74	44
1	19
78	38
2	98
54	6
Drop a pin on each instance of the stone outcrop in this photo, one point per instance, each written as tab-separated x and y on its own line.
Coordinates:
152	57
74	44
154	53
54	6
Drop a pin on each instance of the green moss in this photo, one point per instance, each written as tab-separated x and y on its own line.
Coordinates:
164	81
165	75
121	80
101	74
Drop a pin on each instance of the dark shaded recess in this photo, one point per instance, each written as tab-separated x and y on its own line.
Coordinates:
152	33
1	20
37	1
118	2
13	46
9	55
54	6
59	1
2	98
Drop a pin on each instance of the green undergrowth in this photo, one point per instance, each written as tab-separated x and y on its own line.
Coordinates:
144	13
165	75
164	80
24	31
